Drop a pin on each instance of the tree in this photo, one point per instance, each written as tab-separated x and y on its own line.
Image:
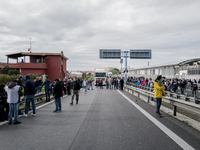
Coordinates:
4	70
115	71
13	72
89	74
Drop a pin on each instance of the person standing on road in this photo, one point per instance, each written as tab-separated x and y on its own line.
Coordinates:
29	93
58	93
90	84
110	83
76	90
14	93
159	93
122	84
47	89
101	83
194	88
85	84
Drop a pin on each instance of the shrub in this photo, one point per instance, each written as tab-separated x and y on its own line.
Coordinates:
13	72
4	70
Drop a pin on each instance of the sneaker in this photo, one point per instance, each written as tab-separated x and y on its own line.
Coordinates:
9	123
60	110
77	102
25	115
17	122
71	103
159	115
33	114
55	111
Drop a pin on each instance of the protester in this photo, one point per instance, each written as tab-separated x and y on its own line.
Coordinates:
47	88
58	93
40	84
90	84
29	93
37	85
110	83
76	90
101	83
194	88
159	93
68	87
97	83
14	93
85	84
3	98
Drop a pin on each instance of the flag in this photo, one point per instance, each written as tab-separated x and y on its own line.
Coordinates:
143	83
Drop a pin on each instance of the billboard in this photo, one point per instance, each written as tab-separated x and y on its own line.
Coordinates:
110	53
140	54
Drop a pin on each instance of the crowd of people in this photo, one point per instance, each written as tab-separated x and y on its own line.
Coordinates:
170	84
11	94
111	83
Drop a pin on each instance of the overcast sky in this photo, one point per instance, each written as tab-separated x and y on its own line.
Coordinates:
80	28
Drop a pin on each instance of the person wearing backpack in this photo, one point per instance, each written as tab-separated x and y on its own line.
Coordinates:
14	93
194	88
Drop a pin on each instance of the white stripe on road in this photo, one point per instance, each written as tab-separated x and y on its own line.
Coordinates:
167	131
2	123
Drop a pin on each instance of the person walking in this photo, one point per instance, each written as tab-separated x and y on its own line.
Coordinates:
159	93
29	93
47	88
90	84
76	90
14	93
68	85
58	93
85	84
122	84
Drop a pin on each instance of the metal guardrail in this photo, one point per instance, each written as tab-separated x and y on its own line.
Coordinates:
173	101
195	99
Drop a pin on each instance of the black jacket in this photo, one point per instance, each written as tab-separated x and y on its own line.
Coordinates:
75	85
58	89
29	86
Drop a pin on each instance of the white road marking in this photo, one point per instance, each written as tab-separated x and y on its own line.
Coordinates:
167	131
2	123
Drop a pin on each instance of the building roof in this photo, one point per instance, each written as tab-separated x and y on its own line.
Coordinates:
21	54
189	61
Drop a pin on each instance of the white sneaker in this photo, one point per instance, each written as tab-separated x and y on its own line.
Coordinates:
33	114
25	115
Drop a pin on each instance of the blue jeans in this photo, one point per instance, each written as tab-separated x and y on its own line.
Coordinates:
38	88
85	87
47	94
90	85
14	107
182	90
27	100
158	104
110	85
58	103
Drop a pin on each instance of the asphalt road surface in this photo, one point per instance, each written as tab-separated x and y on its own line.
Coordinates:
103	120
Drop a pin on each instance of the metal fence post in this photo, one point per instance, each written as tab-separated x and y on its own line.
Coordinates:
174	110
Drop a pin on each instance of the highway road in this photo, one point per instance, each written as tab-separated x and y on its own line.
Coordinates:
103	120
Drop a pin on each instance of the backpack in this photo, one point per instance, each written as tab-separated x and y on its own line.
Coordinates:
194	87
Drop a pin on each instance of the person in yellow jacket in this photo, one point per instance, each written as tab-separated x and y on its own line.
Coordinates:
159	93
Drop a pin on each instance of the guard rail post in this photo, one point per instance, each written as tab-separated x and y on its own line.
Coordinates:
174	110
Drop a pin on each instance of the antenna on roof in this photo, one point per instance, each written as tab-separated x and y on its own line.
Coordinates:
30	42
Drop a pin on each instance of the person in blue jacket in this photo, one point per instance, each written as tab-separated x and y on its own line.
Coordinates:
47	89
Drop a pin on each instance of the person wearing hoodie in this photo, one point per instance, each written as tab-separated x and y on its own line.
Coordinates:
159	93
76	90
29	93
58	93
47	89
14	93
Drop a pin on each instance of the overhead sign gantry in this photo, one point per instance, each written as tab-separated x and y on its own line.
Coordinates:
118	54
